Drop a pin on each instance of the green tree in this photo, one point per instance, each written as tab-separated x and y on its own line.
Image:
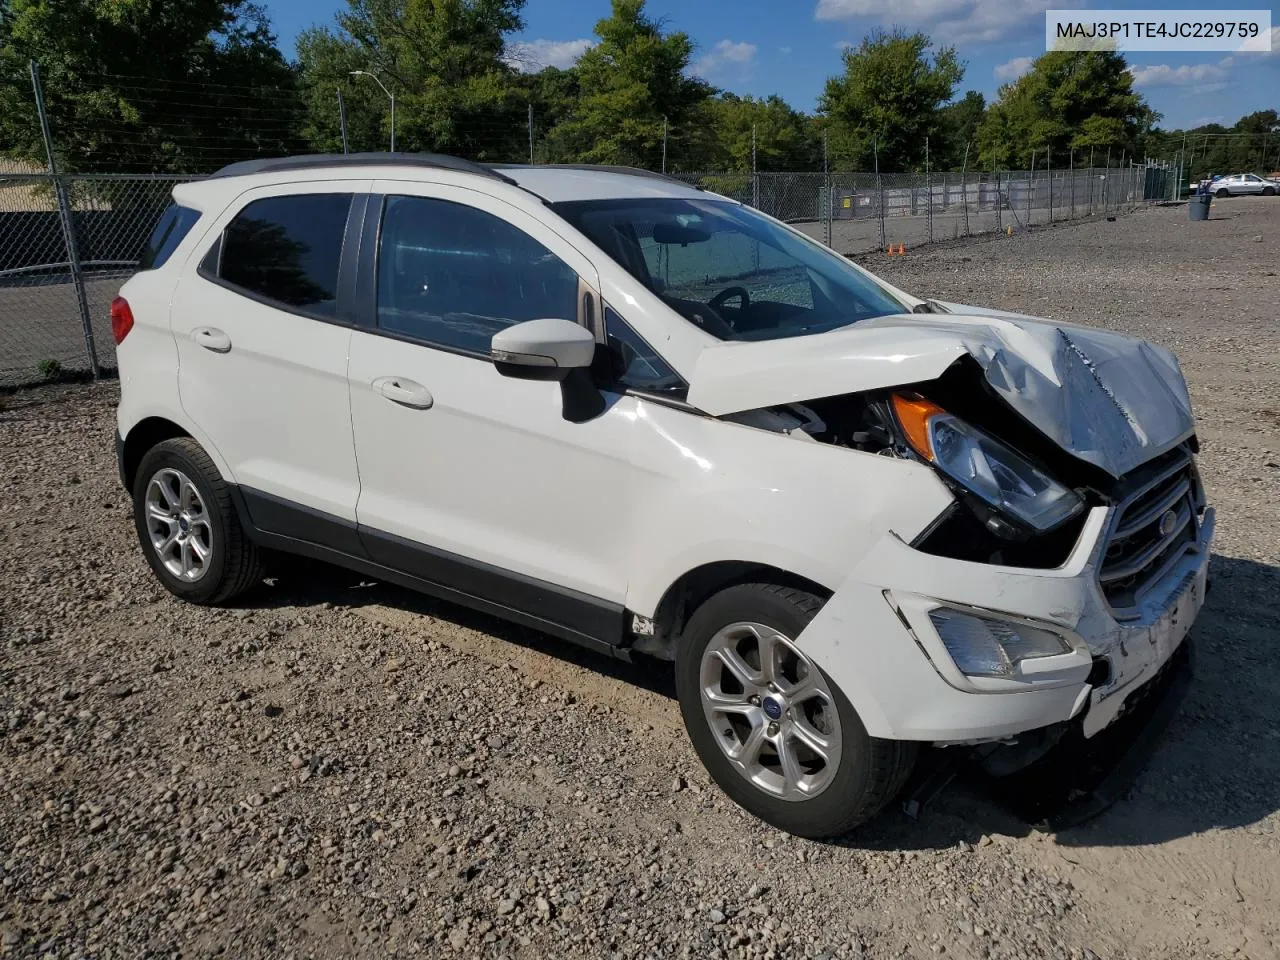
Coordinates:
1251	144
1069	100
958	128
783	137
634	89
888	99
145	85
444	61
553	94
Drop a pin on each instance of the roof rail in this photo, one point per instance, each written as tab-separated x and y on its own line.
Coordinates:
598	168
438	161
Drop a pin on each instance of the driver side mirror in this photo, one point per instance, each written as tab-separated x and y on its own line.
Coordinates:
552	349
545	349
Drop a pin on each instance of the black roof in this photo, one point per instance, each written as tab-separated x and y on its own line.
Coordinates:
308	161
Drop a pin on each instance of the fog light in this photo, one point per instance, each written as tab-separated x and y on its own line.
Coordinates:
983	647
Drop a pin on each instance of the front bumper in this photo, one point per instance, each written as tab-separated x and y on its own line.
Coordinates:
874	638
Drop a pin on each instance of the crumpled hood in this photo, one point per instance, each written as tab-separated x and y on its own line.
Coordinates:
1112	400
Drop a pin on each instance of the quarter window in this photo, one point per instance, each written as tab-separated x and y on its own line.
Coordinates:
287	250
645	370
453	276
174	225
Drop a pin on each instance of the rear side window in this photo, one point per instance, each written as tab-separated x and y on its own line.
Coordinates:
286	250
175	223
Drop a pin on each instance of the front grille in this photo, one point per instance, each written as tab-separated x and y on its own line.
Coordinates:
1156	522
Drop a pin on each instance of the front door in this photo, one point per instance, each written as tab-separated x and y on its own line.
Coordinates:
468	478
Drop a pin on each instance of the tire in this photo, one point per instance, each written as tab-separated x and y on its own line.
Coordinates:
177	479
1268	191
1224	192
864	772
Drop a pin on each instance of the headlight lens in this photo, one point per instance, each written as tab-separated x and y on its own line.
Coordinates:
984	465
983	647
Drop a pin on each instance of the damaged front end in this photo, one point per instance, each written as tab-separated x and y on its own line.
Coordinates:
1074	555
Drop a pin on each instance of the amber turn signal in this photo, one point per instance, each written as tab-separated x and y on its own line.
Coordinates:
914	412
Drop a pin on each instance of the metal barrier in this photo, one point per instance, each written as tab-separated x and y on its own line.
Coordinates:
67	243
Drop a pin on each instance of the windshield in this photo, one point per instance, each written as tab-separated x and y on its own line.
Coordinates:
728	269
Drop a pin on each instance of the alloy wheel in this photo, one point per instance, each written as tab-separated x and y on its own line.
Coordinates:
178	525
770	711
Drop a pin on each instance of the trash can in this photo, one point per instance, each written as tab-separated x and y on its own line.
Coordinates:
1198	206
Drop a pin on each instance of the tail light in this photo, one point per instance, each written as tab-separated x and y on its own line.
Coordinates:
121	319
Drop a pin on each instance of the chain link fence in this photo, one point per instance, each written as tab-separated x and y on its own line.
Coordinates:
67	243
859	213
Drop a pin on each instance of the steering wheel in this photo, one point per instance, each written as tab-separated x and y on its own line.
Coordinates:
728	293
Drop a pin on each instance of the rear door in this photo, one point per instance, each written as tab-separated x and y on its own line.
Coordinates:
262	342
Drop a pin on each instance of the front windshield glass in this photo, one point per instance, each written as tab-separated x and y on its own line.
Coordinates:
728	269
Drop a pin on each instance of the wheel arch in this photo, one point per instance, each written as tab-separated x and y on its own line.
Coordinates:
695	586
142	436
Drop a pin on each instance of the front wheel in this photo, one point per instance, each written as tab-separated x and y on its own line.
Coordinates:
1224	192
1268	191
771	728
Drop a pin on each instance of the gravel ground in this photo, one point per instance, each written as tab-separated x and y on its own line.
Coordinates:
339	768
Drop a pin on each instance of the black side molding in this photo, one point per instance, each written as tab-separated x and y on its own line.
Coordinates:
277	524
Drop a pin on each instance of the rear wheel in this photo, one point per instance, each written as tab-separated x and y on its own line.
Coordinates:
775	732
188	527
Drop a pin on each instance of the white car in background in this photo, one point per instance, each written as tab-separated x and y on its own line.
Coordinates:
1244	184
651	420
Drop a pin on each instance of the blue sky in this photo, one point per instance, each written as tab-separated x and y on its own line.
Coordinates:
790	47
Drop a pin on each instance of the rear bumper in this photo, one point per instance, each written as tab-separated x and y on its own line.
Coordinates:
874	638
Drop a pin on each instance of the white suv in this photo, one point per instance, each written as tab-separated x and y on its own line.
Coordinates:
649	419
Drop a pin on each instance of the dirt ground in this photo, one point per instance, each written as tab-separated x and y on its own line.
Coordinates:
339	768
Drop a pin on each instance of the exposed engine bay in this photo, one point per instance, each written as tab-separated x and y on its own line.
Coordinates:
970	530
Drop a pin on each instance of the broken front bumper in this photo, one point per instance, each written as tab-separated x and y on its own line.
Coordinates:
875	639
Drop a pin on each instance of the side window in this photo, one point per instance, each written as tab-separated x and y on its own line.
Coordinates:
453	276
645	370
287	249
175	223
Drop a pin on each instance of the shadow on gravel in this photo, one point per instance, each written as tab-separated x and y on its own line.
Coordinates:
1216	766
301	582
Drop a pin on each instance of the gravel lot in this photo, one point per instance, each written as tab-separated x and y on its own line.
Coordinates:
342	769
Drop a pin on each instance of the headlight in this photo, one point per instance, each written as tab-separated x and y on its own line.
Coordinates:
983	647
985	466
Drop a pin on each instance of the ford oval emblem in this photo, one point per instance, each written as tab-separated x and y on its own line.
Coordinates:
1168	522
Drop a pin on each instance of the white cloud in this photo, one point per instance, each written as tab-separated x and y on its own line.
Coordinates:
1185	75
1014	68
843	45
533	55
1258	44
725	55
1205	121
951	21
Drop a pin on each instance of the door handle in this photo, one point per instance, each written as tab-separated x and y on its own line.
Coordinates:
405	392
211	338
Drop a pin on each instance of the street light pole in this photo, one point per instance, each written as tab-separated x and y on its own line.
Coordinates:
391	96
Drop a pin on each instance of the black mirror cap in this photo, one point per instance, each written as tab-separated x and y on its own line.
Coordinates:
521	371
